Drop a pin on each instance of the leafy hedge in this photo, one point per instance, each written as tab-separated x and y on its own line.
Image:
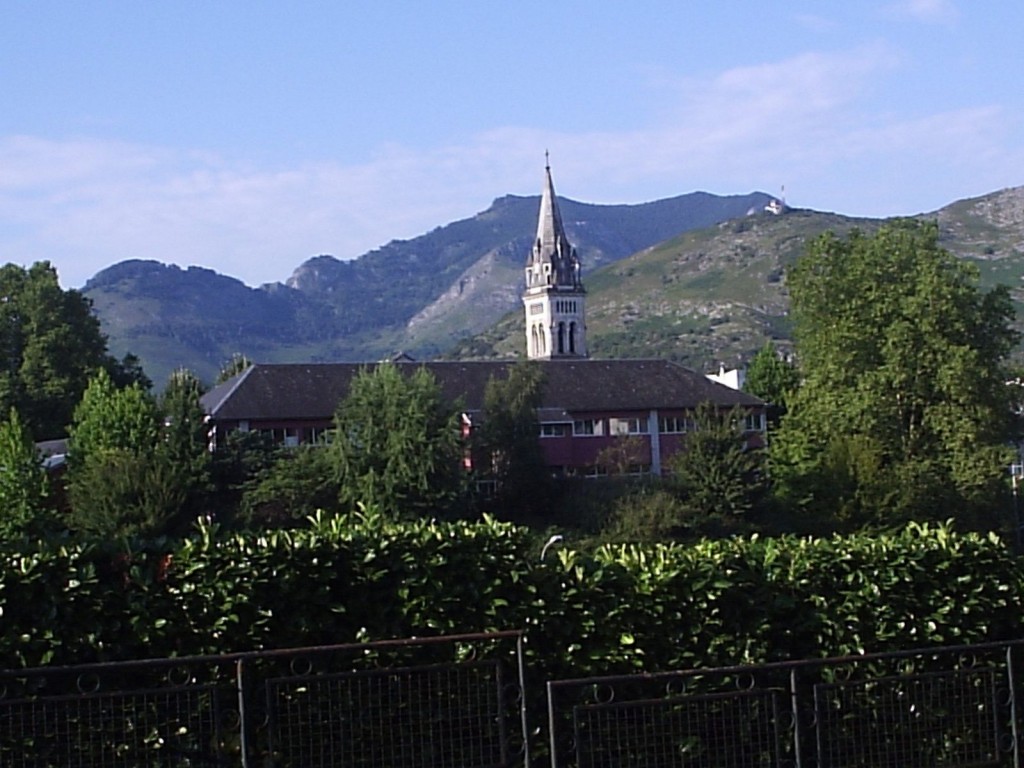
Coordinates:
617	609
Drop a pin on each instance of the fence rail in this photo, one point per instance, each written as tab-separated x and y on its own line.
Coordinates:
953	706
459	701
449	701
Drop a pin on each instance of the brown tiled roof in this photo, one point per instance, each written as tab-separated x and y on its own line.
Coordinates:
300	391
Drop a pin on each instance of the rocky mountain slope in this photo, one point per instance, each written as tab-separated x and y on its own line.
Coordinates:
712	297
420	296
698	278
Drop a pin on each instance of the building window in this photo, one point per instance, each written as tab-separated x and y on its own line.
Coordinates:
553	430
588	427
754	422
674	425
627	426
596	470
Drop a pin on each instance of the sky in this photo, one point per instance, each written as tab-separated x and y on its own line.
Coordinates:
247	137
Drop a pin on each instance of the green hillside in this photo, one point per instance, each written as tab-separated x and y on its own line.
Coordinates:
714	296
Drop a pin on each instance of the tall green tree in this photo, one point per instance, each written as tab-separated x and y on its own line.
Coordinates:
110	418
50	346
397	443
772	379
506	446
298	484
121	480
902	359
718	476
184	438
26	506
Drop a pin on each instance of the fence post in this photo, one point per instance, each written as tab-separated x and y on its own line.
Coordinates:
523	714
243	718
794	698
1012	684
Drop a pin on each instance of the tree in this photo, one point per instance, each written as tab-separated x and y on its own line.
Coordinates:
292	489
506	443
397	443
900	349
233	367
50	345
718	476
184	439
121	479
241	459
26	508
772	379
109	418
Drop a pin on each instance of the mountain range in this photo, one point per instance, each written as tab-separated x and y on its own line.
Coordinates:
698	278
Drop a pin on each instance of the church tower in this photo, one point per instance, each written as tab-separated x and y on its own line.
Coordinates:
554	294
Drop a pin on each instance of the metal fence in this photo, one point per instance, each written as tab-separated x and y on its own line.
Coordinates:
452	701
459	702
952	706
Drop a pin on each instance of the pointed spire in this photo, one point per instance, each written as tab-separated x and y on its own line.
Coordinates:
554	296
550	233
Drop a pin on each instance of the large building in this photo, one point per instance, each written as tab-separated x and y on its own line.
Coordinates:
588	406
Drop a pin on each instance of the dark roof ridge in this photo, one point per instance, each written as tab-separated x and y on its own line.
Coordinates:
228	391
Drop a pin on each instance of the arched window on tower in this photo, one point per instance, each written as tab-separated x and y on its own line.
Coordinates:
561	338
572	338
543	339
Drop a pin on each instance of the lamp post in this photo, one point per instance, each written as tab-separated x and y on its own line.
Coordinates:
553	540
1016	506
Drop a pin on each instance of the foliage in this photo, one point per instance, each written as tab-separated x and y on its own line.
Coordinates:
239	461
898	347
624	454
716	473
772	379
184	438
295	487
621	608
397	443
127	371
117	493
110	418
649	512
25	504
506	445
233	367
50	344
123	477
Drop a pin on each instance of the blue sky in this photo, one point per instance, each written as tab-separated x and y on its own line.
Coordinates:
248	137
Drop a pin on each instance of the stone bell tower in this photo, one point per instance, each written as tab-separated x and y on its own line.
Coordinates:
554	295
